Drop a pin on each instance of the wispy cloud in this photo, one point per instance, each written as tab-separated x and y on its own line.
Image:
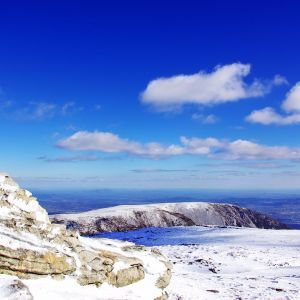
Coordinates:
48	180
70	108
163	170
70	158
215	148
261	165
291	107
205	119
224	84
77	158
38	110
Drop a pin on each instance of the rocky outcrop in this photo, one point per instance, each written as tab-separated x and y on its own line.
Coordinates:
32	247
15	290
130	217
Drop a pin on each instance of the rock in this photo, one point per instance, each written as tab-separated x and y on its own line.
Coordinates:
127	276
130	217
31	247
164	280
164	296
27	264
15	290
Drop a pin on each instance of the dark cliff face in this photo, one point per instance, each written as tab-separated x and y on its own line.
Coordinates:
166	215
139	219
243	217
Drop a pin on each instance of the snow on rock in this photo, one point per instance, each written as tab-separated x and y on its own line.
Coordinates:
226	263
130	217
39	253
13	289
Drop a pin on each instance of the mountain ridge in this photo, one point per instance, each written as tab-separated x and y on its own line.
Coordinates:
130	217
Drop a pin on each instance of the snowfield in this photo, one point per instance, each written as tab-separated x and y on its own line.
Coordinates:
209	263
227	263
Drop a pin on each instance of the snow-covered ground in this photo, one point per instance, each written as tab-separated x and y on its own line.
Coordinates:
209	263
227	263
47	288
68	289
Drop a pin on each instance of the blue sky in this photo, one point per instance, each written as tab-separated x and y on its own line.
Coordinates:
139	94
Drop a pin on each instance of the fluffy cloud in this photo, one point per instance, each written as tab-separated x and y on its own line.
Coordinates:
291	105
112	143
243	149
211	147
292	101
225	84
268	115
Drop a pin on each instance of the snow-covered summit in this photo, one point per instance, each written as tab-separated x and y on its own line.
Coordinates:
32	248
19	202
129	217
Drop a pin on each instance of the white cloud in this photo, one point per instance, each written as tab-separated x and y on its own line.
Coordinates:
243	149
268	115
212	147
292	102
205	119
112	143
225	84
291	105
199	145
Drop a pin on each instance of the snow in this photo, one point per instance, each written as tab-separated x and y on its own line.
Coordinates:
20	240
227	263
127	210
17	202
151	264
209	263
69	289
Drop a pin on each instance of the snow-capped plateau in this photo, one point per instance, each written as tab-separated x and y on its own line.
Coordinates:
226	263
130	217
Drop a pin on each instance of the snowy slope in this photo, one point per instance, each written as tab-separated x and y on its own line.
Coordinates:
227	263
43	261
